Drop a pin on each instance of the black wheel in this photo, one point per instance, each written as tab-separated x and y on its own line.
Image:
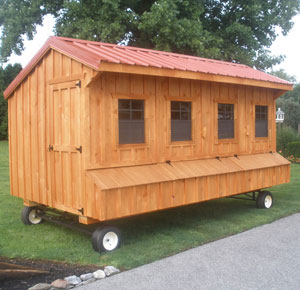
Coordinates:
106	239
264	199
30	216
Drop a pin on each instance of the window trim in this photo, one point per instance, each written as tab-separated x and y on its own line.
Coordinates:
169	119
131	123
235	123
180	112
269	121
116	98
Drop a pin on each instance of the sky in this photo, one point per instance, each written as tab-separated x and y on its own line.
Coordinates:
284	45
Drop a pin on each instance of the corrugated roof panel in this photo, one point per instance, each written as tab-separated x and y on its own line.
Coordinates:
96	54
124	54
167	63
193	66
173	61
92	53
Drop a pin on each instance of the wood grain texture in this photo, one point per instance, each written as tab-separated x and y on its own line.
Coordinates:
204	96
137	199
46	111
162	72
49	108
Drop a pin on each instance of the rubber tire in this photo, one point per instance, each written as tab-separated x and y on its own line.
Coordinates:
98	238
261	197
26	213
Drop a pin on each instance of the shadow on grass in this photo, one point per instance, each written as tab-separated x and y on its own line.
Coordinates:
147	237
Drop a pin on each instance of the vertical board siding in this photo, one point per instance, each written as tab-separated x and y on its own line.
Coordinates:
20	144
65	100
40	115
42	135
13	145
104	148
117	203
32	119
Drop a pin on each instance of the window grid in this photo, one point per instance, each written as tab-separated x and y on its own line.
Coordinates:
225	111
225	121
131	121
261	121
261	112
181	125
131	109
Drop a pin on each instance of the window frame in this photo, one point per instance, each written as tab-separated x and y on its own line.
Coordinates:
169	141
268	119
235	123
115	116
190	119
130	121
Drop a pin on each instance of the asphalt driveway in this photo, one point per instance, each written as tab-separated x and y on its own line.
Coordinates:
267	257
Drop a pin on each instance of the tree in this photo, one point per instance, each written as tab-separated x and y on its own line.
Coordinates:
6	77
291	108
282	74
232	30
290	101
290	105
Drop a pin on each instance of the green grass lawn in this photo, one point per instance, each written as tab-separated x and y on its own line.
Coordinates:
146	238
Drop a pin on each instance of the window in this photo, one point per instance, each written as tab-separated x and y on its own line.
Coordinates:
131	121
181	121
261	121
225	121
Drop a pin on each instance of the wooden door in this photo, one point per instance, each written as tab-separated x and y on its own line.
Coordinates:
65	146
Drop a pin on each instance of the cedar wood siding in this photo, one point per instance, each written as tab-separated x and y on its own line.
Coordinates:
30	128
58	178
157	93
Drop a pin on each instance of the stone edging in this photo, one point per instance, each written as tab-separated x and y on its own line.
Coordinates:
75	281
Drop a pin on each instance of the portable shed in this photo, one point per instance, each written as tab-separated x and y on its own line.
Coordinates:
105	131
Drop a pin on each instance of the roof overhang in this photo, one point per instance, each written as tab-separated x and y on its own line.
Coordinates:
163	72
51	43
92	61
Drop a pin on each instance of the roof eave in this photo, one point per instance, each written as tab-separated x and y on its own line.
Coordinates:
164	72
26	70
52	43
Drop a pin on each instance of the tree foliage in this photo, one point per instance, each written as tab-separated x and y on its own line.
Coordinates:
232	30
290	105
6	77
289	102
285	136
282	74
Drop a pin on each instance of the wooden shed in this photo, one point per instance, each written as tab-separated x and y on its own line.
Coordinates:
105	131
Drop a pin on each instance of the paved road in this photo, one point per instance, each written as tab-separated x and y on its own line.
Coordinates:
267	258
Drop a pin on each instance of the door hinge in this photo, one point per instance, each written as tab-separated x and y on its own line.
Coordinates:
78	84
79	149
50	148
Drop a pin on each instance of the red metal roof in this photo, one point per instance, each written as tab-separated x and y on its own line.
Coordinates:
93	53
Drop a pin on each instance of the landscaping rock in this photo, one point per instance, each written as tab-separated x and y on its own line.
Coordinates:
60	284
73	280
87	276
111	270
99	274
40	286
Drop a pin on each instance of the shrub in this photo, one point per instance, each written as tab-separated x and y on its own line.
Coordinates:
293	150
285	136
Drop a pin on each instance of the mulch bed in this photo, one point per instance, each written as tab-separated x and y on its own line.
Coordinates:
56	270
